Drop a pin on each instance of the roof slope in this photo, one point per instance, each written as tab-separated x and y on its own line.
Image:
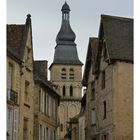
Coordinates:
16	37
118	35
65	50
40	75
90	58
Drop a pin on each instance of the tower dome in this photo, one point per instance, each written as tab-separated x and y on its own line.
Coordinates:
65	7
66	34
65	50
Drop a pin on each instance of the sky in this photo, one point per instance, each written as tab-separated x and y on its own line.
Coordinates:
46	21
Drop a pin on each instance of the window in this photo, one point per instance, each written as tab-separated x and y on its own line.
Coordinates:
49	134
93	117
104	104
15	130
40	132
54	135
25	129
27	91
103	80
105	137
43	130
46	104
50	106
71	74
71	91
46	135
9	80
53	108
64	91
10	76
93	90
42	100
61	127
8	123
105	55
63	73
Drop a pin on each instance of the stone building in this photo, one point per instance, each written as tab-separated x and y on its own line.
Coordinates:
46	102
81	119
66	73
20	84
112	82
88	81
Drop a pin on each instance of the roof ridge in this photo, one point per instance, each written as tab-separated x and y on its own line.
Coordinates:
115	17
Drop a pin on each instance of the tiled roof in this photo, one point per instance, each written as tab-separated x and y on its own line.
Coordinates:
16	38
118	35
15	35
65	7
40	75
90	58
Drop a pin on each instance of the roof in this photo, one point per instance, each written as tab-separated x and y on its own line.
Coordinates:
41	68
16	37
66	54
65	50
90	58
118	35
65	7
40	75
66	34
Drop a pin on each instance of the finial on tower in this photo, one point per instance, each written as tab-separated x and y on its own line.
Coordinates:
28	19
65	7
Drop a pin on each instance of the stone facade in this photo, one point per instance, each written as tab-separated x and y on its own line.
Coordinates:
45	115
46	102
66	73
69	105
20	81
13	96
108	77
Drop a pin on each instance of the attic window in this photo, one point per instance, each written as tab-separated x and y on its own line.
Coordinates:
105	56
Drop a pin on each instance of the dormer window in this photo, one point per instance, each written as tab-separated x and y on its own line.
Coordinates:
63	73
105	55
71	74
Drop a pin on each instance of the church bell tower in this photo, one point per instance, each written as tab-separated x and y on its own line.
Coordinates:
66	73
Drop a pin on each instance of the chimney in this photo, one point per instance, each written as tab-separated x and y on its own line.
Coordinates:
41	68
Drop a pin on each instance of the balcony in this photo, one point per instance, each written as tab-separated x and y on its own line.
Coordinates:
12	96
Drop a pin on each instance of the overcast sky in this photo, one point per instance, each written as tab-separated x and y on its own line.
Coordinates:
46	21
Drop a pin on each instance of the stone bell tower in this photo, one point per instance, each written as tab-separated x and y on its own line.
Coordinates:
66	72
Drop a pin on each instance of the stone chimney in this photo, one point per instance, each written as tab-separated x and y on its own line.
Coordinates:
41	68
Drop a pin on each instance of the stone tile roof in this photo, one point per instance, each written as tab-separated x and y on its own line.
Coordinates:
40	76
118	35
90	58
16	38
15	35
